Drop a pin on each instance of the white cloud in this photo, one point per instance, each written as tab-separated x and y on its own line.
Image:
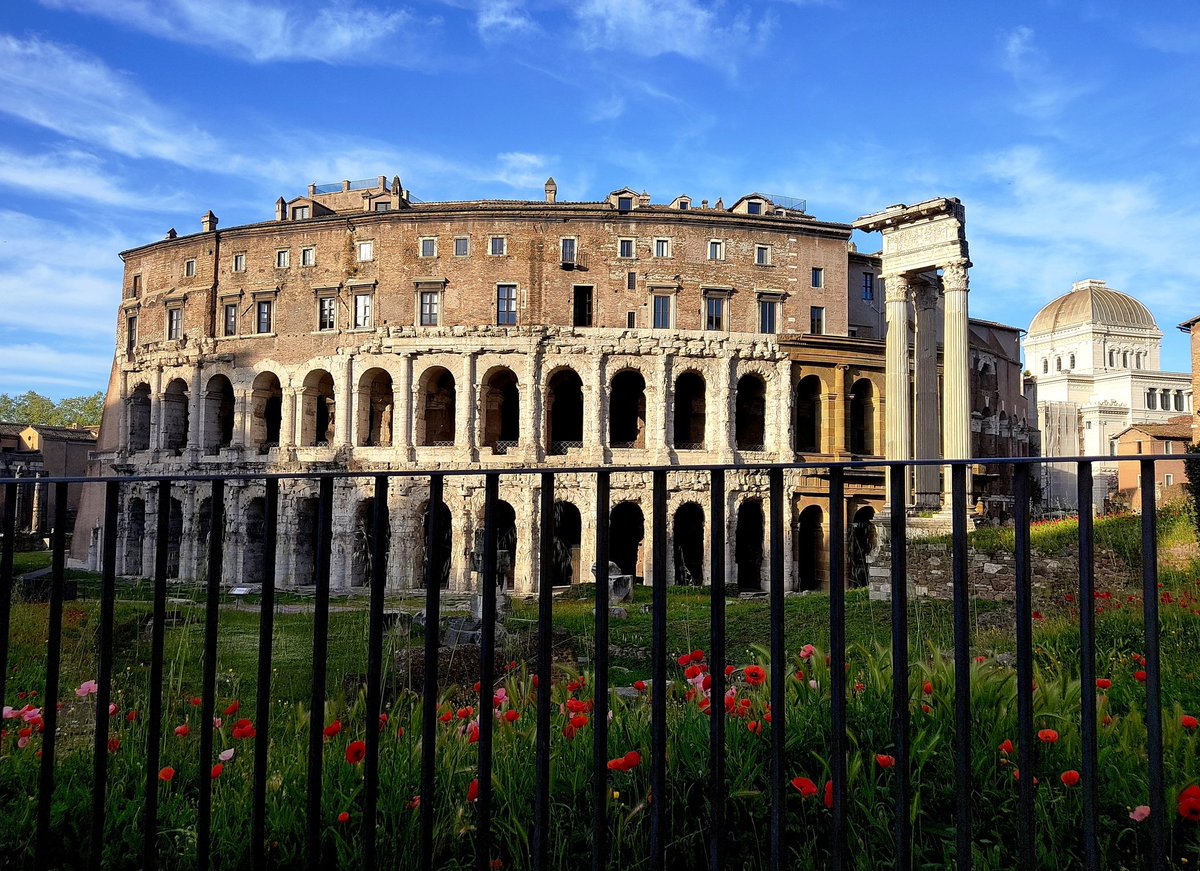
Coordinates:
53	370
497	19
262	32
1042	94
606	108
74	176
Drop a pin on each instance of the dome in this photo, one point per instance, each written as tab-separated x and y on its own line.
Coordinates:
1092	302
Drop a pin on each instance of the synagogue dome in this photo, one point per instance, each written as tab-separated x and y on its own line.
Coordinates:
1091	302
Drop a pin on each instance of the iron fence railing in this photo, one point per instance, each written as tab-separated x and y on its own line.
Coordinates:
718	796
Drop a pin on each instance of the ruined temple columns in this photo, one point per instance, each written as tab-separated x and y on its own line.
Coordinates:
896	357
926	404
956	411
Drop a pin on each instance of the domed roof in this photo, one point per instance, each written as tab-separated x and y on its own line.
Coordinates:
1094	302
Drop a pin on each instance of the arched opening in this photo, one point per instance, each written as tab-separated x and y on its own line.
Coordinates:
318	423
751	413
564	411
175	416
135	534
807	409
627	410
175	536
689	412
810	548
218	414
442	548
687	533
568	535
435	415
862	417
266	416
626	531
1124	359
1046	364
254	521
862	542
1058	363
1071	361
501	400
139	418
506	545
304	542
364	543
748	546
375	407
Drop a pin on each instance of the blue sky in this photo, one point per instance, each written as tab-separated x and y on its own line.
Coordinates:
1069	130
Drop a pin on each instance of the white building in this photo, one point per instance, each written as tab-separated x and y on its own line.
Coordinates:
1095	355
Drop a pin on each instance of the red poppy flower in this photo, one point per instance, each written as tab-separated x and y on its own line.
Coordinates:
697	655
578	721
113	745
754	727
356	751
446	717
1006	746
473	790
465	713
1139	676
414	804
925	709
243	729
1048	736
195	701
1188	722
182	731
754	674
569	732
233	708
691	672
343	817
131	716
1103	683
639	685
632	760
885	761
399	731
475	688
333	728
166	774
927	688
829	794
511	716
1070	778
807	788
216	771
383	719
800	677
728	670
684	660
472	732
1189	804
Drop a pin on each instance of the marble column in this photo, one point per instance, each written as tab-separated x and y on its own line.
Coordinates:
956	407
723	395
344	392
289	402
896	365
156	409
467	397
840	445
404	412
195	434
926	403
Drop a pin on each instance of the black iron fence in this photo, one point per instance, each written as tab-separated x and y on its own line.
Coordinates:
718	796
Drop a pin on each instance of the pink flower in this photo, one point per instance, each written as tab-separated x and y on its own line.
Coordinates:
226	755
112	709
807	651
31	715
1139	813
23	742
216	722
87	688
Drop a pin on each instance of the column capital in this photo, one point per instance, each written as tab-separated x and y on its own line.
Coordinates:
895	287
924	295
954	275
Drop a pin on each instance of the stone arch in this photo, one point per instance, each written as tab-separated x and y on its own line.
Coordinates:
748	544
376	407
500	409
318	409
254	541
568	538
266	411
862	417
564	411
1046	363
436	407
687	538
174	412
807	410
689	412
810	551
750	412
863	540
627	532
135	535
307	535
627	409
175	537
139	418
506	545
218	414
442	555
363	548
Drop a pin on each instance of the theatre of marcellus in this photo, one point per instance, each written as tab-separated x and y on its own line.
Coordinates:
364	330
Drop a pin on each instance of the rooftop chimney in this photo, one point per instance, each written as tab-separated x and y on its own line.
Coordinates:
280	209
551	190
208	222
396	184
644	200
171	234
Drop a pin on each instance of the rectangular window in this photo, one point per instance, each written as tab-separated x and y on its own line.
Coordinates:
461	246
299	213
137	285
231	318
1139	447
506	304
568	250
264	316
662	312
1167	447
498	246
630	320
818	276
365	251
327	313
429	247
868	286
662	247
429	308
383	206
816	319
174	323
625	249
282	258
239	262
762	255
582	316
624	204
753	208
716	250
1151	401
130	335
308	256
631	281
362	311
1168	479
766	315
714	313
189	269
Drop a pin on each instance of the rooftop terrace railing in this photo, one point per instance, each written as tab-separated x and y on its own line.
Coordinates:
422	853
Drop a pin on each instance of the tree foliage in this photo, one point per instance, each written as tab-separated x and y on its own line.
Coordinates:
1191	467
32	407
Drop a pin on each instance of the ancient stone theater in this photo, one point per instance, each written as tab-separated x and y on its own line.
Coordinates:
363	330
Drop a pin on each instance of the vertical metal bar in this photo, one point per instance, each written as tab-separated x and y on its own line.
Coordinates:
7	547
658	668
208	691
158	620
716	659
778	673
962	669
316	719
1158	810
1087	667
837	661
50	690
262	704
487	673
600	682
900	691
1024	607
429	683
380	539
108	595
541	796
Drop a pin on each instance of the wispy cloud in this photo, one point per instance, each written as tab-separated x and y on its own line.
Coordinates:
264	32
74	175
1042	93
53	370
497	19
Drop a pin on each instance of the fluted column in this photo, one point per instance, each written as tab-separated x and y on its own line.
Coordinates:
896	365
926	405
956	406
